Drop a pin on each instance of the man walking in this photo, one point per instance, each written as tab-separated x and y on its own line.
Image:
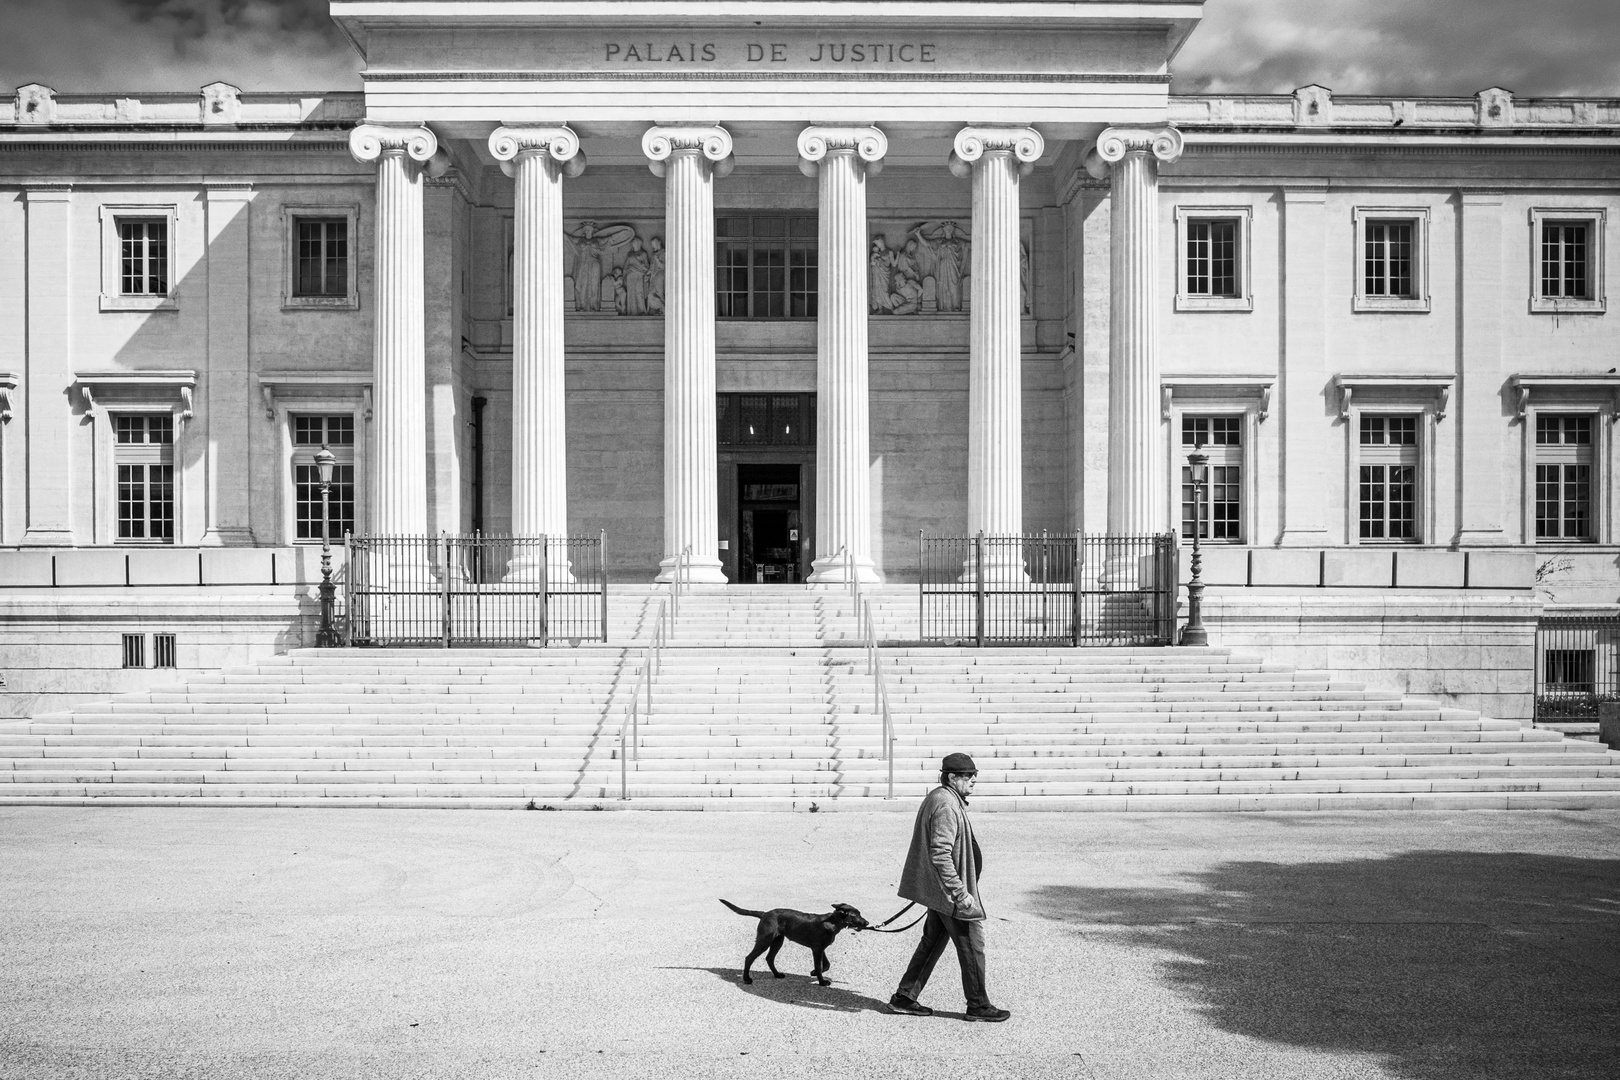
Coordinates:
942	874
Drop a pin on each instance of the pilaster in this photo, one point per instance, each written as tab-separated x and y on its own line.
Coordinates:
227	408
842	159
1304	367
689	158
1479	413
48	370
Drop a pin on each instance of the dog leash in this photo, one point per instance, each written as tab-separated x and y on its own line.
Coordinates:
879	927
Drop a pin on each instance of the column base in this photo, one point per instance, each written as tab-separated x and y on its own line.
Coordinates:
836	570
48	538
526	570
234	536
698	571
1001	567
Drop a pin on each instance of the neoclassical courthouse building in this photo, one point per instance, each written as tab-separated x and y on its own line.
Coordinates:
790	282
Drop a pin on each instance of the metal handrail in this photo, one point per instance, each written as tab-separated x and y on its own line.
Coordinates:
880	690
652	663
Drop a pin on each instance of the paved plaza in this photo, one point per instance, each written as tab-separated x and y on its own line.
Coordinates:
218	943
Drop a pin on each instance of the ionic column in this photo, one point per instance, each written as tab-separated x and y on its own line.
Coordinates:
996	158
398	375
688	158
537	158
843	158
1138	496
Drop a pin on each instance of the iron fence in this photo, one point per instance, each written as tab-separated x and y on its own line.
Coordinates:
1054	589
1577	666
474	590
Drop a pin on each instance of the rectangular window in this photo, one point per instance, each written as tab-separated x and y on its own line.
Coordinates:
335	433
1218	508
143	256
1564	477
1212	267
144	459
163	651
765	267
1389	259
1570	670
1564	267
322	267
766	419
1388	473
134	650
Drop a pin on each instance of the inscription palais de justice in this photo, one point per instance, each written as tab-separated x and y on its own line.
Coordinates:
772	52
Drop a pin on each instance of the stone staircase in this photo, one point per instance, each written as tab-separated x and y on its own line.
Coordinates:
763	704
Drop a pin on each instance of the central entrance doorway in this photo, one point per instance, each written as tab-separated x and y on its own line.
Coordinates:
770	525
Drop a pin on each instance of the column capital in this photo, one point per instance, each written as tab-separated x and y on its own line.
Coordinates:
816	142
660	143
1114	143
372	142
556	141
972	143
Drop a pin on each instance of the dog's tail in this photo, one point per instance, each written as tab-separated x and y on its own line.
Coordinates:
742	911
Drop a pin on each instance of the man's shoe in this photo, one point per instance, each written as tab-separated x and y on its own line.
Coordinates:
989	1014
906	1007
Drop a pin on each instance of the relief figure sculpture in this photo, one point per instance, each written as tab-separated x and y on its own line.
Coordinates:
594	251
943	254
882	263
637	278
655	276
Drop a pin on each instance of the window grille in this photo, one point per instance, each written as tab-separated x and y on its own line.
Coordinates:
163	651
144	459
765	267
1389	259
1570	670
1563	477
1219	507
766	419
1212	268
1388	477
144	257
323	257
134	650
310	433
1564	266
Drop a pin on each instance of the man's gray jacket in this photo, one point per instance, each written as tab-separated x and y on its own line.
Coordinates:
943	864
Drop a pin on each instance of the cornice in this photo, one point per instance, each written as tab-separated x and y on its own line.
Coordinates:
763	76
18	143
1203	143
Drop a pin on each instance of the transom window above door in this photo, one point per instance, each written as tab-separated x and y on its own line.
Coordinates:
765	266
766	419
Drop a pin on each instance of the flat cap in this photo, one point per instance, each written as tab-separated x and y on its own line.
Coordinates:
958	763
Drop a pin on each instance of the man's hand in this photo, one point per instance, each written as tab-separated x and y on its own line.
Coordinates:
966	907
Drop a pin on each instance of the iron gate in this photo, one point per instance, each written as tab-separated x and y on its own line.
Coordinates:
1577	666
1046	588
474	590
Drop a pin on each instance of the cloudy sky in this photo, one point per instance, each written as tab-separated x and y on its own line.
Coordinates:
1268	46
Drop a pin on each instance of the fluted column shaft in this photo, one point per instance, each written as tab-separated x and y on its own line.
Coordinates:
399	507
842	158
1138	493
688	159
538	159
996	159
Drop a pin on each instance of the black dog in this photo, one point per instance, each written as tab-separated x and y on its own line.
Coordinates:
814	932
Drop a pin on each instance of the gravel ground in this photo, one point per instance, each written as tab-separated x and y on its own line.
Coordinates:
222	943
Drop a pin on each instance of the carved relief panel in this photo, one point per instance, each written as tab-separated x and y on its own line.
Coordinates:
926	268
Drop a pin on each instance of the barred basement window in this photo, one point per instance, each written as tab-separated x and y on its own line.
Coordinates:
1388	480
1212	261
310	433
163	651
323	257
144	459
1564	477
1570	670
143	256
765	267
134	650
1389	259
1219	509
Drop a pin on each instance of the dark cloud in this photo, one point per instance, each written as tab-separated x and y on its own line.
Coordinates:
1532	47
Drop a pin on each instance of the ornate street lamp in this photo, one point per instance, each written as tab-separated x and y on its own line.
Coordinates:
1194	633
324	462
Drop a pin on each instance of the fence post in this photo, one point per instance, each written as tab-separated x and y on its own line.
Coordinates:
978	587
444	591
348	590
545	588
922	589
1074	589
601	565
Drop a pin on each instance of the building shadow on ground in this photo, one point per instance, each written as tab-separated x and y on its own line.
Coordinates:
800	990
1446	965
